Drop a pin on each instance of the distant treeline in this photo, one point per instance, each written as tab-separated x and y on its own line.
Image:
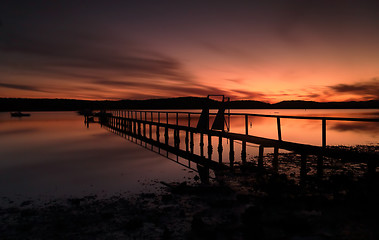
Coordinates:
26	104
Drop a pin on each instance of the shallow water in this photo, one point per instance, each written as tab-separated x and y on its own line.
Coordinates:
54	155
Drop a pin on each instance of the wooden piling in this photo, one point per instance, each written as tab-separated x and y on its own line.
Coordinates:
187	132
157	126
210	148
279	129
191	142
202	144
128	123
203	173
144	125
186	141
323	132
177	138
166	135
166	131
151	126
243	152
231	153
220	149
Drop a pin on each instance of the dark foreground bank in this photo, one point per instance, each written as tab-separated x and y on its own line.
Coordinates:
249	204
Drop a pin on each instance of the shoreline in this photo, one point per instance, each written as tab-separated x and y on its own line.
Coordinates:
244	205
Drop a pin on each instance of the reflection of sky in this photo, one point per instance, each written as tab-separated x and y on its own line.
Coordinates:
54	154
268	50
63	158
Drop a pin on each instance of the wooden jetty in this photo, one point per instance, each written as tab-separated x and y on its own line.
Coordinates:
140	124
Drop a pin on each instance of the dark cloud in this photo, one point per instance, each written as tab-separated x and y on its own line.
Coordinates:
21	87
179	89
76	54
367	90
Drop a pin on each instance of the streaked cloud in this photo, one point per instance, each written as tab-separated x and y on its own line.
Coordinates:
368	89
269	51
21	87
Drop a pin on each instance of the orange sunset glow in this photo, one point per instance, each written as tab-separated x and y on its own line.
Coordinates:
268	51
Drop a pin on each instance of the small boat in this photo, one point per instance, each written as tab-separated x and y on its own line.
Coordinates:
19	114
85	112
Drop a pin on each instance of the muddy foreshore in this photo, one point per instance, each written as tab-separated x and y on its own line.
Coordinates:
246	204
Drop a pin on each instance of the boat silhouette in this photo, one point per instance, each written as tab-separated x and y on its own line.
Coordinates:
19	114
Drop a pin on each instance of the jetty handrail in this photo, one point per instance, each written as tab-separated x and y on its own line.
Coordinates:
261	115
134	123
122	113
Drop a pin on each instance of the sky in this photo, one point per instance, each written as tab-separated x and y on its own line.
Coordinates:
325	50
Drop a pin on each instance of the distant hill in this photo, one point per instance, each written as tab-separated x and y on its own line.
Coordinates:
326	105
25	104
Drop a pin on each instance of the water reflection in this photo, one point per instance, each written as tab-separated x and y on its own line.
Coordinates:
54	154
371	128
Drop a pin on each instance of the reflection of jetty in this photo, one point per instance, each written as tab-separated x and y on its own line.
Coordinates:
147	126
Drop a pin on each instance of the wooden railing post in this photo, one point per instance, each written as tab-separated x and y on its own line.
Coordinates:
187	132
166	135
135	123
247	124
139	125
202	144
177	132
231	153
279	129
191	142
220	149
210	148
243	152
150	126
323	132
144	125
159	121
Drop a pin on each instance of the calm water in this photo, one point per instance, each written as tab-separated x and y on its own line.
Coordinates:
53	154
